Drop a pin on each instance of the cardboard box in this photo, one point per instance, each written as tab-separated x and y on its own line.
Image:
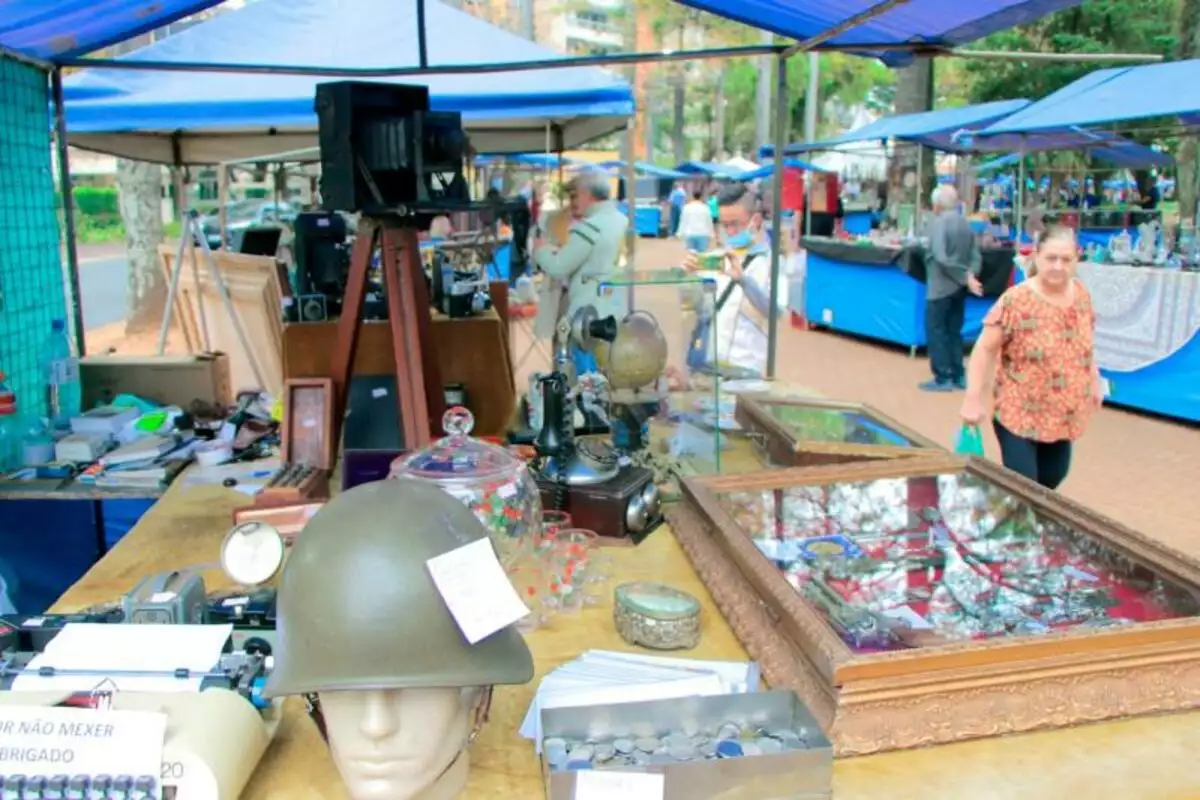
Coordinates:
795	774
170	380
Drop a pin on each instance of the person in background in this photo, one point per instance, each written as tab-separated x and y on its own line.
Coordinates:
714	189
1148	197
951	270
695	224
1038	346
593	247
676	200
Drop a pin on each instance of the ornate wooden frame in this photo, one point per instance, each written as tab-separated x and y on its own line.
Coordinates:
932	695
783	448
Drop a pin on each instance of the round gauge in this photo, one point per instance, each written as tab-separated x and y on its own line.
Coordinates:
252	553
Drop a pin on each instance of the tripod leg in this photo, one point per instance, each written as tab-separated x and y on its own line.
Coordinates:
198	232
172	290
348	323
416	298
410	388
231	310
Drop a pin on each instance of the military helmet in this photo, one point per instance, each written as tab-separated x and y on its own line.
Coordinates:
358	610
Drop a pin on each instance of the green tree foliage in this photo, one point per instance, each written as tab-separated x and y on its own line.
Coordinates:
1095	26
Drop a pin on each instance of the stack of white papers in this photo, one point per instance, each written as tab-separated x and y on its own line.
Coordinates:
607	677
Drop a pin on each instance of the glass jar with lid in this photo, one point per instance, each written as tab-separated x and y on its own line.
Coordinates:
489	480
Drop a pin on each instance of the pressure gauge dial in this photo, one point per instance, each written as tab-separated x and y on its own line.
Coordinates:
252	553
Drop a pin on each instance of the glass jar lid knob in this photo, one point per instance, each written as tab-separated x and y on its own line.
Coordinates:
458	421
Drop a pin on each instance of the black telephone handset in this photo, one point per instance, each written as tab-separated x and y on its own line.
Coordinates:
556	440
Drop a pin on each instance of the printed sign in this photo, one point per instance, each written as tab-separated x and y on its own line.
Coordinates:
50	741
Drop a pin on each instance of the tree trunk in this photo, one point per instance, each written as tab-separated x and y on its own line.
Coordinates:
679	108
140	189
762	102
643	30
1187	186
913	95
718	144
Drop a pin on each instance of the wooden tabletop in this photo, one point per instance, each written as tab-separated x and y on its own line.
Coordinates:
1149	758
70	489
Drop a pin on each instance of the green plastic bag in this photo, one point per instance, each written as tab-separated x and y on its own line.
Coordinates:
970	441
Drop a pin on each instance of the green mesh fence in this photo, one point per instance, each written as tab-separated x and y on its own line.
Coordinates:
31	273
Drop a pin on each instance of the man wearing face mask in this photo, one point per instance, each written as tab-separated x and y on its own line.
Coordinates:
590	254
730	337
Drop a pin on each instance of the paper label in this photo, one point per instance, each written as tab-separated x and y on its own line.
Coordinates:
379	392
827	316
163	597
80	741
1106	387
64	371
235	601
611	785
478	594
507	490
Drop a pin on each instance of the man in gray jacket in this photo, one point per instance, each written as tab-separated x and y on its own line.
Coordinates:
951	270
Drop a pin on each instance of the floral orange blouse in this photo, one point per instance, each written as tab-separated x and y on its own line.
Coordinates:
1044	382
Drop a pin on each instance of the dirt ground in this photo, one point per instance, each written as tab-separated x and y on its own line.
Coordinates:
1137	469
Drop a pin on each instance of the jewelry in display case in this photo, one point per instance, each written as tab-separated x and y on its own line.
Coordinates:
806	432
920	601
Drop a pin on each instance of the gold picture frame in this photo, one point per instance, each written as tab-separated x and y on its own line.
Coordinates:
836	432
933	693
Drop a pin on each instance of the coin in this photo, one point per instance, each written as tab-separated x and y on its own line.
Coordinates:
604	752
729	731
682	752
677	740
751	749
623	746
554	742
584	752
769	746
647	744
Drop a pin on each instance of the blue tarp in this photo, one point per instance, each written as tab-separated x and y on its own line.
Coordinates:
704	168
1171	89
647	169
223	116
933	22
1120	153
767	170
51	29
936	129
539	160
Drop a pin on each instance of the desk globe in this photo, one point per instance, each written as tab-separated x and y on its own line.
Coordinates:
637	355
488	479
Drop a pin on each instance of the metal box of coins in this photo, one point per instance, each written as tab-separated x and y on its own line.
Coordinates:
755	746
808	432
918	601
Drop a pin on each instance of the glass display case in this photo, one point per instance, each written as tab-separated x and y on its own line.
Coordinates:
692	422
920	601
802	432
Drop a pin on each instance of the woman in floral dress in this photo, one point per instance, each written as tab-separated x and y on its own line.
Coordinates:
1038	348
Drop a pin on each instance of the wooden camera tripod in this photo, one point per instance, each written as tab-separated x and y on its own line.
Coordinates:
418	377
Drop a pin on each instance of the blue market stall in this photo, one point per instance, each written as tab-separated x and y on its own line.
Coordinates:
179	118
1147	322
879	292
651	190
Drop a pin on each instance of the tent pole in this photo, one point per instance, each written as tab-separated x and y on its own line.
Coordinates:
781	132
1020	198
68	206
422	45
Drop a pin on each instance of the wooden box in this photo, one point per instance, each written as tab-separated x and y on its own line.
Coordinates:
920	601
795	432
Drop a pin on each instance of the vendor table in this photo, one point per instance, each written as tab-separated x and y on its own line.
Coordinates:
1147	758
1148	336
858	221
879	292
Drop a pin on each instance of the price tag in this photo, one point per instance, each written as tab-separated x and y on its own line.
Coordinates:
827	316
610	785
1106	387
478	594
80	741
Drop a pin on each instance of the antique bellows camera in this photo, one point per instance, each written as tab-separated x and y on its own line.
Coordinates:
384	152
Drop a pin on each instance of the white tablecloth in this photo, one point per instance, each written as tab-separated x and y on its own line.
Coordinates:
1143	314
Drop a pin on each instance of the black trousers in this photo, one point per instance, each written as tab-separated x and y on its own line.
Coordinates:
1044	462
943	329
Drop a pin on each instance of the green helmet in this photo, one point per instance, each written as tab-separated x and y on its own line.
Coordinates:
358	610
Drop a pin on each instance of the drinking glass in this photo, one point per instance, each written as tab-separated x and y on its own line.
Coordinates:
574	552
552	522
535	586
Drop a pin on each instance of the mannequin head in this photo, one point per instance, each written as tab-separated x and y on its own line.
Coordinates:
396	744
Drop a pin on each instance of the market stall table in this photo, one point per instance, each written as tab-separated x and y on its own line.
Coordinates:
879	292
1147	336
1142	758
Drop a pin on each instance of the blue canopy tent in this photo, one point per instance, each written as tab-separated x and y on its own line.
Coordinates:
70	28
536	160
648	169
175	117
1171	89
767	170
708	168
